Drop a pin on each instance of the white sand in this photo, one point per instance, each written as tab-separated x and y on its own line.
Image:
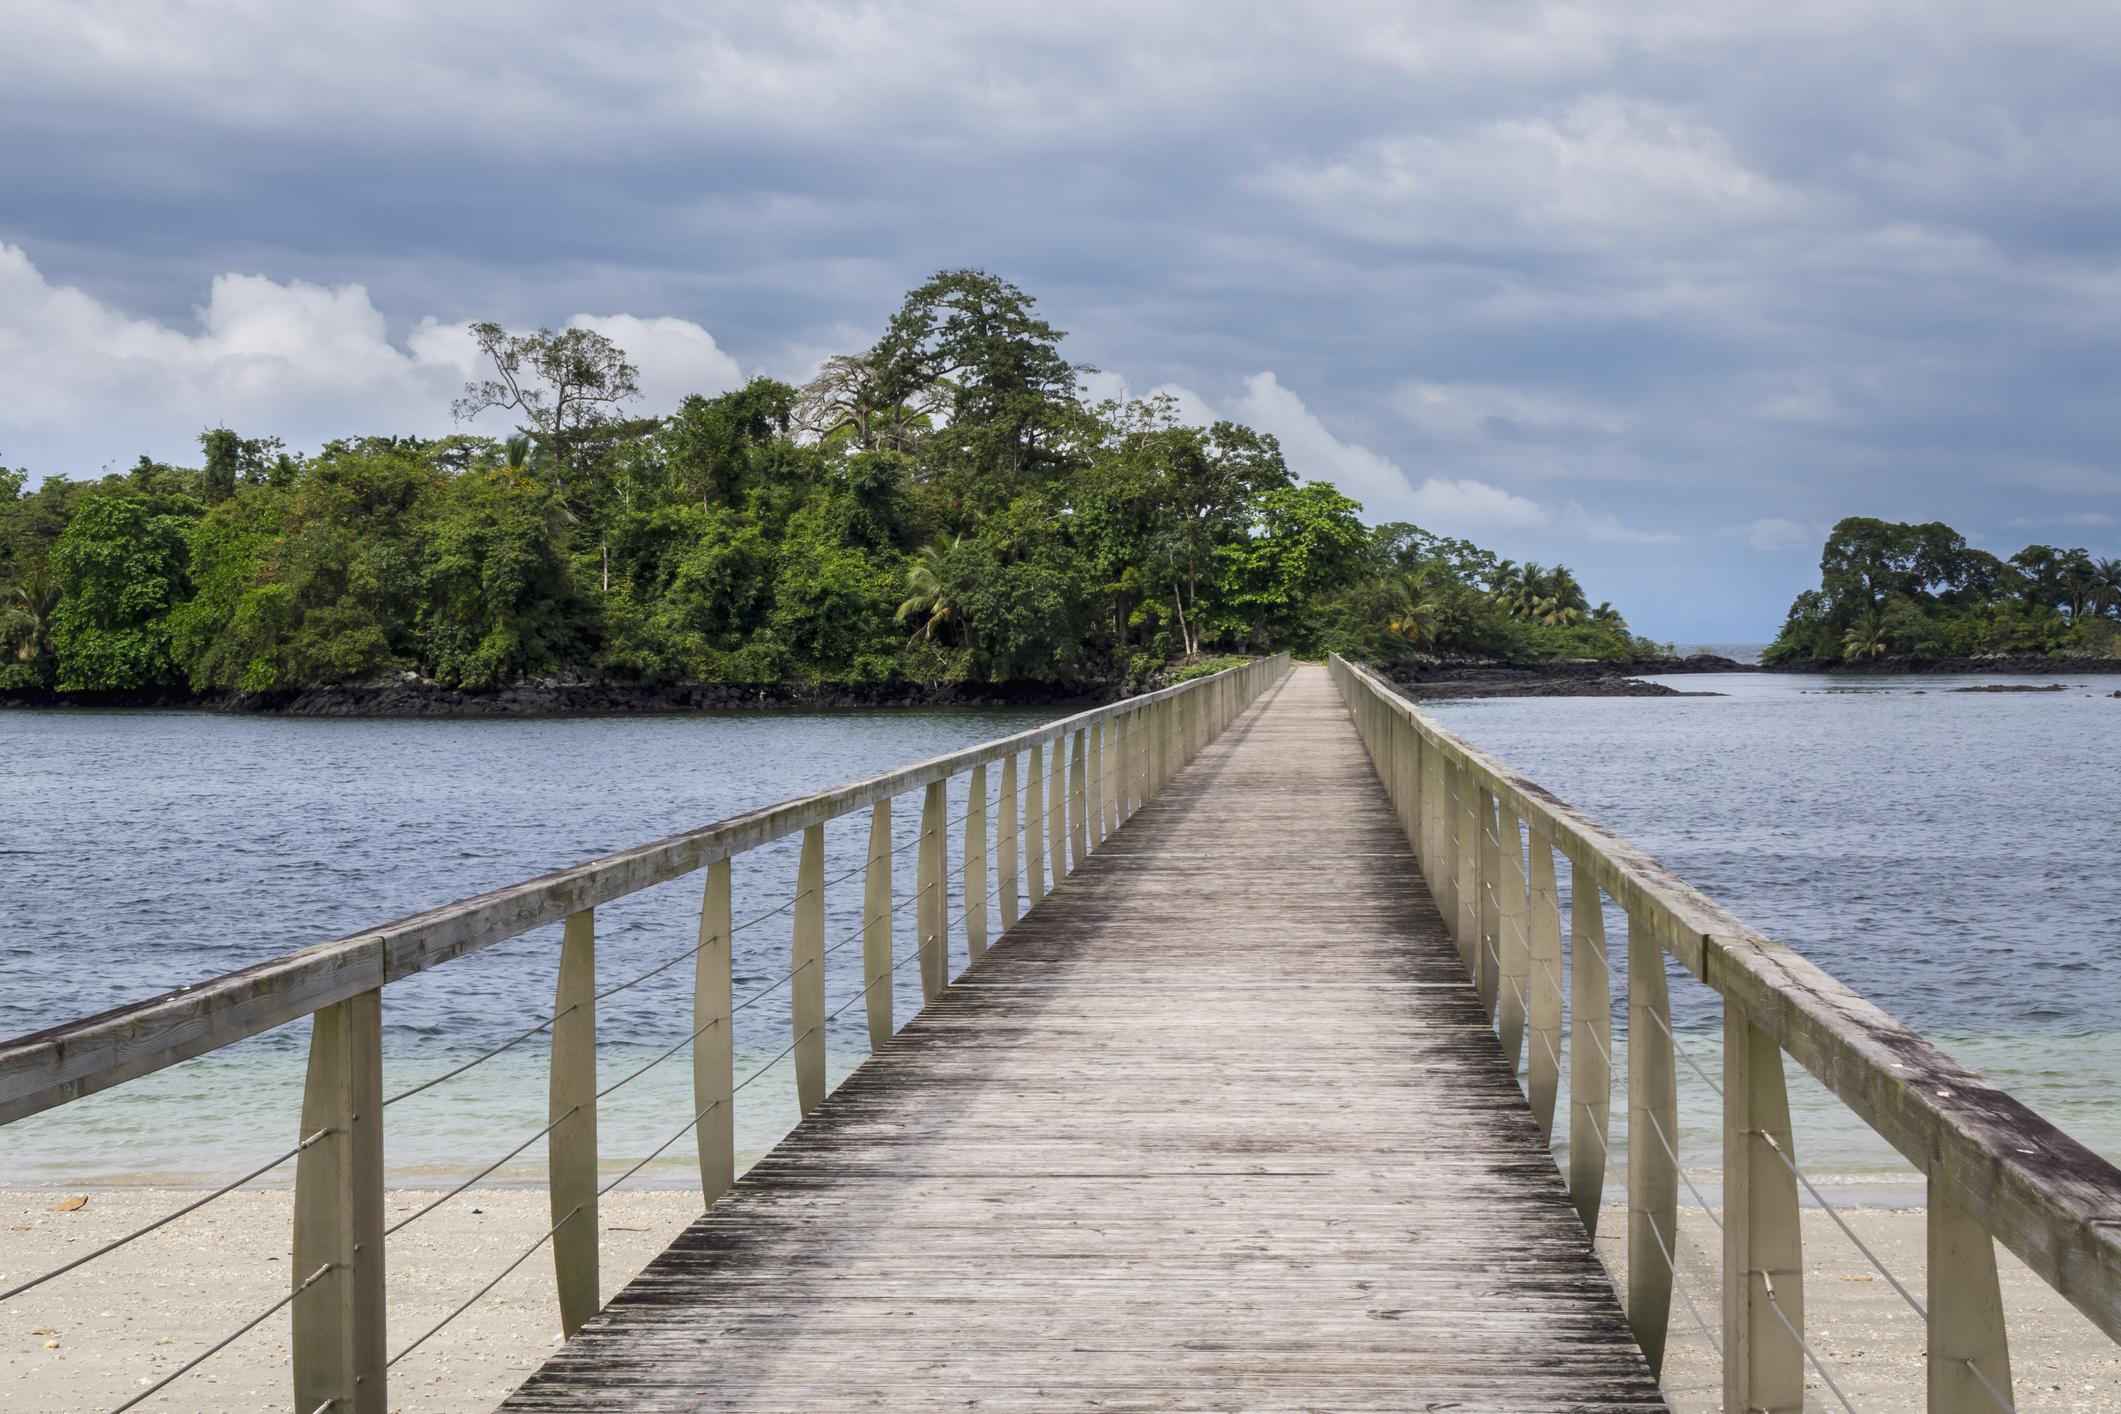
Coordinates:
1867	1336
133	1316
145	1309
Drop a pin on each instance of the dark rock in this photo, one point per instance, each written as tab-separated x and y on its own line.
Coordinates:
408	695
2016	687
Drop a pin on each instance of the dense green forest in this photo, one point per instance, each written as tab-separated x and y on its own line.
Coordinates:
1888	590
942	507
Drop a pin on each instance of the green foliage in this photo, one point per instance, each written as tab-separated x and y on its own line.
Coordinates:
940	507
1888	590
121	564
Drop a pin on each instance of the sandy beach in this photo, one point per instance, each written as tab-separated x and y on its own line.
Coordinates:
97	1336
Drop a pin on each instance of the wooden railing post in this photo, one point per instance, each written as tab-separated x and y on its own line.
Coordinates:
1763	1366
1057	811
1513	953
933	910
1078	803
1590	1046
1442	869
1159	747
1653	1123
1035	827
1487	897
571	1148
976	864
806	985
1967	1340
1414	754
339	1352
1465	870
1118	758
1122	768
1009	830
714	1049
1100	786
1543	924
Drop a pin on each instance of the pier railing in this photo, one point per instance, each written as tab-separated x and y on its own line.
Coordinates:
1084	775
1487	838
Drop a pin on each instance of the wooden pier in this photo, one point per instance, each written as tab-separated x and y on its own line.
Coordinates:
1222	1112
1220	1125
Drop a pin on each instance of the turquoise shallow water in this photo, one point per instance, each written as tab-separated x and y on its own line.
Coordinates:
1949	855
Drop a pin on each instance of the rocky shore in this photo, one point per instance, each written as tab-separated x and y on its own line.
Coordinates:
408	695
2025	665
1430	679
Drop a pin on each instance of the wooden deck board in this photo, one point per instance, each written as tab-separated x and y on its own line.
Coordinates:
1218	1125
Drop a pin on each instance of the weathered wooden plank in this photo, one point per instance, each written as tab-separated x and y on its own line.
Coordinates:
1273	1162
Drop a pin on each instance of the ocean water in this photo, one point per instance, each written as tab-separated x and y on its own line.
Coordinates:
1949	855
141	852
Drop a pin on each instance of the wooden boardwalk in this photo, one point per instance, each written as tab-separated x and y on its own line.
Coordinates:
1218	1126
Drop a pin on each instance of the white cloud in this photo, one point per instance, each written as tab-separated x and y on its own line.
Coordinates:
1315	453
2083	520
1448	505
1604	171
301	361
676	357
1775	534
1452	506
1469	412
1605	528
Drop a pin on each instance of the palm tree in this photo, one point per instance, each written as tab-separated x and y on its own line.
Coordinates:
2109	574
30	607
1605	613
1504	581
929	601
1414	614
1865	639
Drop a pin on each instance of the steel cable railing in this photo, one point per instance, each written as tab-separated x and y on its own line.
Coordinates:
224	1342
165	1220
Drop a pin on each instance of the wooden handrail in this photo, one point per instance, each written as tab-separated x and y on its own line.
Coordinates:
338	1358
1989	1158
65	1062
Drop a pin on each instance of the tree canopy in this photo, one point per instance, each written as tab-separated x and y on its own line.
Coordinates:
1920	591
942	506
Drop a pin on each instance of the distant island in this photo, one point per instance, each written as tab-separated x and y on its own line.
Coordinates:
939	517
1902	596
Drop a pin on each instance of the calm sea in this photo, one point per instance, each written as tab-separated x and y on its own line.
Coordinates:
1949	855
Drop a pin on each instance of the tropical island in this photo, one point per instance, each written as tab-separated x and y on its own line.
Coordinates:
1902	596
941	514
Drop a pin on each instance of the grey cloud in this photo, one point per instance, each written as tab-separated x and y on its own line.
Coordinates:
1680	268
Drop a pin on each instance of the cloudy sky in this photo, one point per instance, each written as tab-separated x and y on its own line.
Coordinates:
1657	289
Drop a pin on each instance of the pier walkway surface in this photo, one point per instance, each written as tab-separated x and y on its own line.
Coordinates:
1220	1124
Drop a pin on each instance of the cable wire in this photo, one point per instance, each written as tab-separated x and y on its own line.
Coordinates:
222	1344
163	1221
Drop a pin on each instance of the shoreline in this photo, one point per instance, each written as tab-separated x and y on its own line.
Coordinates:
411	697
1423	679
145	1309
